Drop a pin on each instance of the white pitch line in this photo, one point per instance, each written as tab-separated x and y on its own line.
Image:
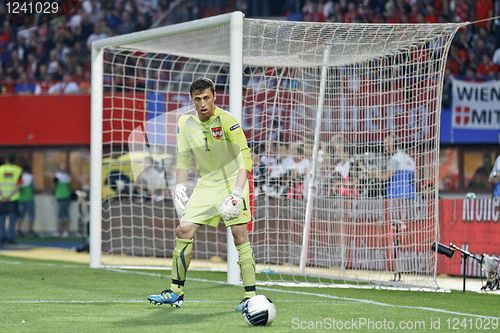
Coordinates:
36	301
43	301
99	301
349	299
45	264
366	301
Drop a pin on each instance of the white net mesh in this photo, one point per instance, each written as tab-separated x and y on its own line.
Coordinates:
372	196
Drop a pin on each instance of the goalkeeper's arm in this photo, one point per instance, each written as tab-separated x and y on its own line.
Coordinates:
242	178
181	176
230	208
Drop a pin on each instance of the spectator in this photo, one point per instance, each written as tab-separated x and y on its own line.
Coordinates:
24	86
143	22
313	11
53	63
62	193
85	29
484	10
10	184
6	34
80	55
44	80
496	57
343	179
352	15
27	202
66	86
400	170
127	24
487	70
279	172
114	20
400	177
259	171
24	47
8	86
268	158
480	179
328	9
41	54
461	11
98	34
431	16
75	22
84	85
495	177
298	172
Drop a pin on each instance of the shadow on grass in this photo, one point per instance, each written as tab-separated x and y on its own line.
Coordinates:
169	316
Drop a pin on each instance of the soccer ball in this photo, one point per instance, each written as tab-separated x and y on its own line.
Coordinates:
259	311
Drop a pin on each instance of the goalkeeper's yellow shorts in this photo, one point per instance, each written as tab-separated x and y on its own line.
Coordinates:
206	199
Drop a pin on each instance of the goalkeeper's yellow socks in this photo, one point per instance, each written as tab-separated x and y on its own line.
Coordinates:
247	267
180	264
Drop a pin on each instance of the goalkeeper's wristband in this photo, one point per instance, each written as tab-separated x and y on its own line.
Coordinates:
237	192
180	187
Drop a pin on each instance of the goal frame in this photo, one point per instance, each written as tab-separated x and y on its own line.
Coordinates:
235	19
233	56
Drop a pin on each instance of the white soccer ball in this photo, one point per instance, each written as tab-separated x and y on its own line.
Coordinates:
259	311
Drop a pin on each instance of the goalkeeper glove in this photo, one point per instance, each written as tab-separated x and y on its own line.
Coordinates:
180	199
231	207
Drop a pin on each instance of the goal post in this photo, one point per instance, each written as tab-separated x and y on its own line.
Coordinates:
96	158
312	180
343	124
235	21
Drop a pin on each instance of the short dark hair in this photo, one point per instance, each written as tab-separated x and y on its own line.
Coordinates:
201	84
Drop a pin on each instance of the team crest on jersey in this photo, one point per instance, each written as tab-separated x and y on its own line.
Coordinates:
217	132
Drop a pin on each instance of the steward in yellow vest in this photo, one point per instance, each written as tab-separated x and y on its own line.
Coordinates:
10	184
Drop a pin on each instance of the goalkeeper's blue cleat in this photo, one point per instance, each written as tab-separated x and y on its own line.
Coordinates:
240	306
167	297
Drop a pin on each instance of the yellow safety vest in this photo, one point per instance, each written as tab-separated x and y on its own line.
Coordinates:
9	179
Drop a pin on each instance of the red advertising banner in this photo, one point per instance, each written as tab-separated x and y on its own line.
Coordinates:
472	224
65	119
122	114
45	120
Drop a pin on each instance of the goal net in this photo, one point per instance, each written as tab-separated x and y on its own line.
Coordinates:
343	122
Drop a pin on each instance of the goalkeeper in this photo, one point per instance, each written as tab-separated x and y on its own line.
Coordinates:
218	145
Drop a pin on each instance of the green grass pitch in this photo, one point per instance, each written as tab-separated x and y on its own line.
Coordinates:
51	296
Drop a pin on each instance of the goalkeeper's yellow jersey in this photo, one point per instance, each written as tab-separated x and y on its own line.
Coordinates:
218	145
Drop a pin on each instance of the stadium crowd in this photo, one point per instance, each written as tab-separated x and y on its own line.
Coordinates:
51	55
